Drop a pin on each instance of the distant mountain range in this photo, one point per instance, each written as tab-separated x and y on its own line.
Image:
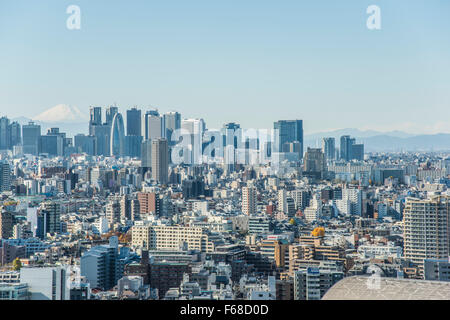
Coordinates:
357	133
394	141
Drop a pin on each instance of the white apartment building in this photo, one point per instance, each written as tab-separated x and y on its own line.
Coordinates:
152	237
47	283
426	229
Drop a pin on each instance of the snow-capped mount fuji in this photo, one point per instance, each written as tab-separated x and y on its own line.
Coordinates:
62	113
68	119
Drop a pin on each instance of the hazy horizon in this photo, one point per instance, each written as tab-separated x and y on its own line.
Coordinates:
251	62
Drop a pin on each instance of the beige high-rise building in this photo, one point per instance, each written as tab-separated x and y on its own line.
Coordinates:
249	200
426	229
152	237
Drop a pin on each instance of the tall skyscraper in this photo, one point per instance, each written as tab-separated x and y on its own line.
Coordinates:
193	130
4	133
86	144
117	136
160	160
426	229
315	162
101	131
232	140
111	111
350	150
31	134
287	131
10	134
146	154
6	224
133	145
249	200
346	148
134	122
95	118
102	135
52	216
5	176
15	135
133	139
329	148
153	125
172	122
358	152
52	143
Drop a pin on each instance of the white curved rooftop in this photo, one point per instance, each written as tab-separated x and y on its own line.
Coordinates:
370	288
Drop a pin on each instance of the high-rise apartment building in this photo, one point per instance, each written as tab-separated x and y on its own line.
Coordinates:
249	200
149	202
312	283
165	275
351	202
146	154
282	203
113	210
46	283
101	266
426	229
5	176
52	216
329	148
6	224
160	160
301	198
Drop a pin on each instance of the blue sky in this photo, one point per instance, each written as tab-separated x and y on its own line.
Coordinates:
249	61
